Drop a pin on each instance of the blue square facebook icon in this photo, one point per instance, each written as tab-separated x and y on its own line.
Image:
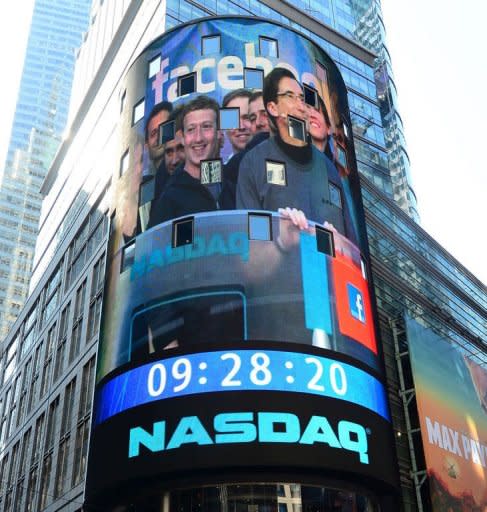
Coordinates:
356	303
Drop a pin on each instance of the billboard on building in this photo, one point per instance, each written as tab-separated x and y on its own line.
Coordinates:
451	393
238	328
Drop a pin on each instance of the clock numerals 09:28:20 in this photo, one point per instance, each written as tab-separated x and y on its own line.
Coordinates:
258	373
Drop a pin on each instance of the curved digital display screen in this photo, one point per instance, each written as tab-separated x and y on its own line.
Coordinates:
240	370
238	327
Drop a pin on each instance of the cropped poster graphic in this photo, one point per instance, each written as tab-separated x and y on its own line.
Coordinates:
237	268
451	392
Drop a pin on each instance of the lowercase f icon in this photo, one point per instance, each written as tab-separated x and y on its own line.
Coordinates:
356	303
353	303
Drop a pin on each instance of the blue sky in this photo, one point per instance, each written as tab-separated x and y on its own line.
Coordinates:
440	69
438	57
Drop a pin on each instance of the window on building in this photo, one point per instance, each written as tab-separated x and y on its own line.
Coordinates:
80	452
44	497
38	437
96	298
24	390
154	66
128	256
60	479
166	132
48	360
276	173
61	343
51	295
229	118
138	111
253	78
211	45
296	128
321	73
83	426
147	190
10	359
3	471
335	195
79	307
51	424
60	482
211	171
87	240
268	47
24	452
124	163
324	241
36	367
31	490
13	406
123	97
46	472
260	226
186	84
363	267
20	487
86	389
310	96
182	232
97	279
68	405
12	473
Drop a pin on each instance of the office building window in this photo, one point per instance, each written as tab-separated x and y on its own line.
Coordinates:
77	322
61	344
182	232
260	226
253	78
154	66
83	426
268	47
48	361
128	256
324	241
186	84
211	45
124	163
138	111
335	195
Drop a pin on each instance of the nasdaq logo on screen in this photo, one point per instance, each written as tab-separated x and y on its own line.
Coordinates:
356	303
247	427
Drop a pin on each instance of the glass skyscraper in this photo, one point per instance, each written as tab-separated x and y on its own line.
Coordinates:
40	119
48	357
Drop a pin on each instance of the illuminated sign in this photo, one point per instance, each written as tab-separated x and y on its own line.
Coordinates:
353	303
241	427
240	370
217	244
229	345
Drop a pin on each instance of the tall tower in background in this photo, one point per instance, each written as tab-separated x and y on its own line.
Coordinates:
361	21
40	118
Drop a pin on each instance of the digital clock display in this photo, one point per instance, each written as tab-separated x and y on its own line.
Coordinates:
240	370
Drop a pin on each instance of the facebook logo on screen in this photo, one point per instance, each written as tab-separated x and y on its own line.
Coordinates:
356	303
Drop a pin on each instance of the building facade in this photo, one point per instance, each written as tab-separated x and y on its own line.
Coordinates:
40	119
48	358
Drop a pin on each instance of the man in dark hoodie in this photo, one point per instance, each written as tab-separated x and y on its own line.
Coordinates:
184	193
286	172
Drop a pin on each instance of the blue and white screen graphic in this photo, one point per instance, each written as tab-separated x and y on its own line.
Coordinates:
356	303
240	370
